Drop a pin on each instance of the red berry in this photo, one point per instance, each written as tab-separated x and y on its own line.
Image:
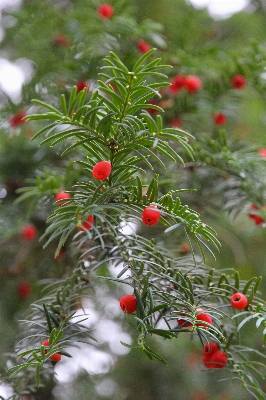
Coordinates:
86	225
46	343
61	40
183	323
24	290
128	303
217	360
143	46
219	119
192	84
239	301
17	119
82	85
150	215
238	82
29	232
210	348
56	357
153	111
62	197
101	170
262	152
176	123
177	83
105	11
202	316
256	218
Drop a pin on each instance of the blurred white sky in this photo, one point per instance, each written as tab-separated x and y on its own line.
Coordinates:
221	8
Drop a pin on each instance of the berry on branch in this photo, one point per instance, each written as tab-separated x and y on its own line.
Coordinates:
203	318
87	224
143	46
101	170
192	84
128	303
29	232
238	82
105	11
150	215
239	301
62	197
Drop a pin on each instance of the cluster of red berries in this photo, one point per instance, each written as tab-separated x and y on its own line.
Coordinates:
191	83
28	232
213	357
203	320
101	170
128	303
17	119
105	11
56	357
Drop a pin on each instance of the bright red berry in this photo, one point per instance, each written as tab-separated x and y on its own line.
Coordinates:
256	218
105	11
17	119
24	290
209	349
239	301
217	360
177	83
128	303
62	197
219	119
143	46
56	357
150	215
192	84
202	316
87	224
238	82
29	232
101	170
82	85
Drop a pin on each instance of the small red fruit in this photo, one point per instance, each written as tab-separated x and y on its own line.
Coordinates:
82	85
17	119
177	83
202	316
62	197
219	119
105	11
143	46
86	225
217	360
128	303
24	290
150	215
239	301
56	357
209	349
183	323
101	170
176	123
192	84
256	218
238	82
29	232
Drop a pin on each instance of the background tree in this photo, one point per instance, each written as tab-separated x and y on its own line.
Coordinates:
67	47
